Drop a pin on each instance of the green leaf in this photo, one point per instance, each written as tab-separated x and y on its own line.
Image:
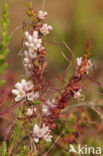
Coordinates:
4	41
4	149
29	5
16	134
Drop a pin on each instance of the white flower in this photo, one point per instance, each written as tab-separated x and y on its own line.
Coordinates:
20	94
29	85
35	34
33	42
77	94
51	103
28	56
48	138
46	108
45	29
41	133
37	43
26	34
42	14
28	60
79	61
30	111
89	65
32	54
32	96
22	89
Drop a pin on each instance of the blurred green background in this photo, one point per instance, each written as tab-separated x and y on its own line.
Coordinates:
73	21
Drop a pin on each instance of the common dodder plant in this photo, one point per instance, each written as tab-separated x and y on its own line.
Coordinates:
41	109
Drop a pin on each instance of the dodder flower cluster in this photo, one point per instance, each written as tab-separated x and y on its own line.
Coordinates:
34	64
41	133
31	90
73	89
23	91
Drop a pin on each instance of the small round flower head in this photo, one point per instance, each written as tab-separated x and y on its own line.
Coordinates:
28	57
79	61
45	29
42	14
33	42
30	111
32	96
41	133
22	89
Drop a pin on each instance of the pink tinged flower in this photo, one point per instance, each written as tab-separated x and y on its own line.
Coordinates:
30	66
41	133
42	14
36	131
48	138
51	103
41	49
46	108
30	111
32	96
26	60
46	133
29	85
20	94
21	89
37	43
79	61
77	94
45	29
